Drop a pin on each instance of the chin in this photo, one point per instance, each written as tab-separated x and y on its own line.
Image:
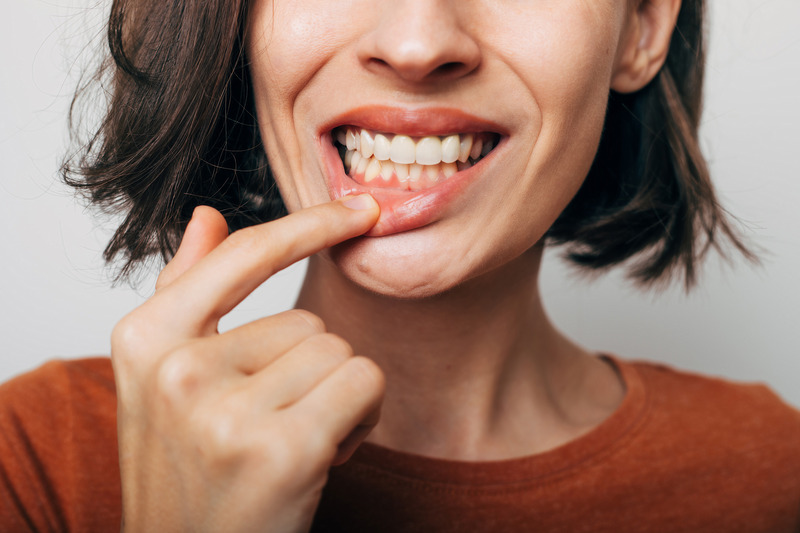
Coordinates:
399	266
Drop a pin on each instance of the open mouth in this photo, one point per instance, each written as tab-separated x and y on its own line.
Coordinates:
405	163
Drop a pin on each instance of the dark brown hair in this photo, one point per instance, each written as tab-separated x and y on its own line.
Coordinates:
180	130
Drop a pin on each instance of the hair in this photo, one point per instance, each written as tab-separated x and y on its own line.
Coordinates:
180	130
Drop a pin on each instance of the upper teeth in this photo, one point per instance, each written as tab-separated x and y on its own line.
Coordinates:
406	150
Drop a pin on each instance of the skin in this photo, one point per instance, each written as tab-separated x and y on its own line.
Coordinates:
237	431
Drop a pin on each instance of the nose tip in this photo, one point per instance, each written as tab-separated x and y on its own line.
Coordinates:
419	41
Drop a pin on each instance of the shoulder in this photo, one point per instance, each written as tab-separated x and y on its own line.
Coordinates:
59	395
58	448
749	410
741	439
711	447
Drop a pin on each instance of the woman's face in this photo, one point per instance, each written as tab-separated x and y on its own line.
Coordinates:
411	82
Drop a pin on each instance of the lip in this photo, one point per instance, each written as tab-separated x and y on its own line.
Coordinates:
406	210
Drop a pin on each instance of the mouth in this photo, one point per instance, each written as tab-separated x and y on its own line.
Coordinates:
416	163
408	163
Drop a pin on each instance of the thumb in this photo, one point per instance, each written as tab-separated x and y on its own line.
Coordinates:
205	231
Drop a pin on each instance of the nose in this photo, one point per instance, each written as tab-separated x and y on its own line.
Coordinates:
419	41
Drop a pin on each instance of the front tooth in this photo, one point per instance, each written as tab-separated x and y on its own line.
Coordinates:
402	171
372	171
387	169
414	171
450	149
402	150
350	141
465	147
382	148
448	169
475	151
367	143
429	151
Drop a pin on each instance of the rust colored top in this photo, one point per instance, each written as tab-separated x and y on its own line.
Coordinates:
682	453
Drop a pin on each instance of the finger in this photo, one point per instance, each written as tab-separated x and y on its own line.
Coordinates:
205	231
290	377
247	258
349	397
349	445
255	345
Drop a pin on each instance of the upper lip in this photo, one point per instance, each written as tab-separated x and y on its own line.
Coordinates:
412	122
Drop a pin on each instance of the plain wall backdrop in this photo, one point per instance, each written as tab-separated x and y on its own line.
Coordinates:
740	323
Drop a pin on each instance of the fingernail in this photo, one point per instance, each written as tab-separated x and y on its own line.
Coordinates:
360	202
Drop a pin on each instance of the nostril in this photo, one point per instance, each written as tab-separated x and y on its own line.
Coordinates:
378	62
449	68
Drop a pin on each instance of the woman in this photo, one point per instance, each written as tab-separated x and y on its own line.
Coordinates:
426	150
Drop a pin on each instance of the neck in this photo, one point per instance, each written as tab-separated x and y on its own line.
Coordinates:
475	373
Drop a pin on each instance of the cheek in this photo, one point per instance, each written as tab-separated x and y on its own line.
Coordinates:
564	55
288	42
563	51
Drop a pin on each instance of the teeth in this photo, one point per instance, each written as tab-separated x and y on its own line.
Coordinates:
372	170
414	171
367	143
382	147
429	151
464	147
475	151
354	159
487	147
387	169
451	147
415	163
402	149
402	171
361	166
448	169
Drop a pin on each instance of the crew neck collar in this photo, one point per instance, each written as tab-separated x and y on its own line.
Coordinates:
586	448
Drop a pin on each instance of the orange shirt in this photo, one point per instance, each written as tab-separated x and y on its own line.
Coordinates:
682	453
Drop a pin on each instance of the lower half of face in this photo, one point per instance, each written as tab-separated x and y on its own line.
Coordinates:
473	124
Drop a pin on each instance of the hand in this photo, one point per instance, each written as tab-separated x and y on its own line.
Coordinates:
237	431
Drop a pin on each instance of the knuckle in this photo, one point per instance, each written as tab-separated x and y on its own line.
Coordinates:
299	451
179	375
308	318
320	217
333	344
126	335
221	437
244	238
366	374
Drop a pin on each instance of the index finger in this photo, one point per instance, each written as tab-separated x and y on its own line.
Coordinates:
248	257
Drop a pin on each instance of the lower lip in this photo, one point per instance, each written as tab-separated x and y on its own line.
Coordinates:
400	210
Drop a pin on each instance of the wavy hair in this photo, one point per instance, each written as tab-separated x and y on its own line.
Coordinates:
180	130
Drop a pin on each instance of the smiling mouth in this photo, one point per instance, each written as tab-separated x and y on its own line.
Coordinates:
405	163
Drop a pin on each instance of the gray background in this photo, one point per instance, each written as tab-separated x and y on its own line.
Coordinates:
741	323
